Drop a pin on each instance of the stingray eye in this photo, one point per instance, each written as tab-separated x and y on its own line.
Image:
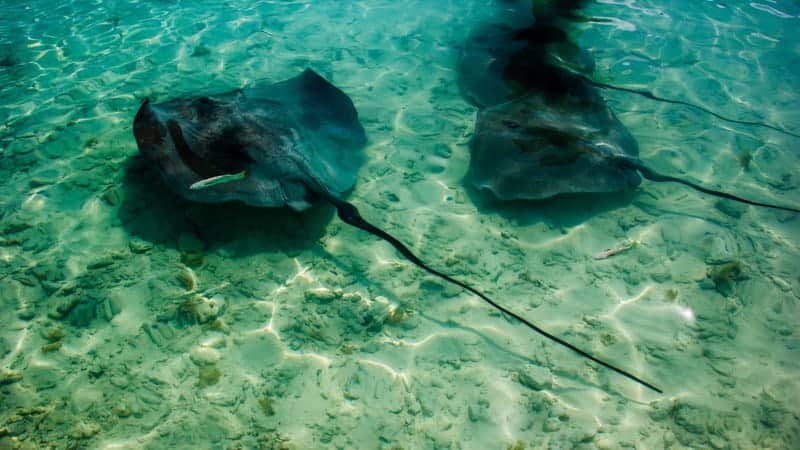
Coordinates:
511	124
204	106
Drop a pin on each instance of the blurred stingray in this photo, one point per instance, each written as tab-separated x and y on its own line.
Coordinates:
536	147
543	129
500	61
283	144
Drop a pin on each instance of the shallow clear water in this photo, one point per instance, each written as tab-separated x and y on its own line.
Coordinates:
134	319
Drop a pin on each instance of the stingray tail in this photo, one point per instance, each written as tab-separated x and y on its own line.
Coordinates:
651	96
349	214
655	176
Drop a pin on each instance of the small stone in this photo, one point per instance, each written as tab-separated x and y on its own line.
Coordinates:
122	409
139	246
220	325
442	151
605	443
200	310
14	428
64	307
322	295
84	430
103	261
51	347
781	283
353	297
54	334
551	424
208	309
718	442
187	279
121	381
204	356
153	334
8	376
535	377
107	309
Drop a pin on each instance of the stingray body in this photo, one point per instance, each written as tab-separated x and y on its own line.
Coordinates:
535	147
276	145
290	141
543	129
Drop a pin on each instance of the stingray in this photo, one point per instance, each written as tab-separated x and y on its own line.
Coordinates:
535	147
287	144
543	129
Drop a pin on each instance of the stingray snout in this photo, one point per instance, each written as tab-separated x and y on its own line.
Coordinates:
147	127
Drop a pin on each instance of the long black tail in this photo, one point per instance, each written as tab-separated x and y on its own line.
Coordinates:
655	176
650	95
349	214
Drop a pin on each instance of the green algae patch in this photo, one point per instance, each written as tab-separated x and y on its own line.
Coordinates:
725	276
208	375
267	405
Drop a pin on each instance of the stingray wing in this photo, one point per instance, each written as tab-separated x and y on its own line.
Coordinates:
325	133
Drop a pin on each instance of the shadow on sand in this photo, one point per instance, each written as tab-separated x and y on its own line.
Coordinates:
150	211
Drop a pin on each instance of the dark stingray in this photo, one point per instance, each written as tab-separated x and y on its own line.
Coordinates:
500	62
283	144
536	147
543	129
292	140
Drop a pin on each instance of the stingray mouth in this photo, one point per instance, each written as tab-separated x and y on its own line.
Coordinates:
163	142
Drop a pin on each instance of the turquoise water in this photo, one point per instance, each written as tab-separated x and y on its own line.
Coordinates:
134	319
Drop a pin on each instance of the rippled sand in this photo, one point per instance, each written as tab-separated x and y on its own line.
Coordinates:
134	319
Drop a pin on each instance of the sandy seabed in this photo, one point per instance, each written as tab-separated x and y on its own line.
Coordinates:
134	319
